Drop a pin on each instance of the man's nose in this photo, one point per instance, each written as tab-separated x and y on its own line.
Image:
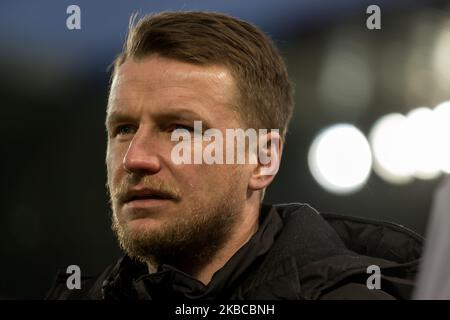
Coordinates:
141	156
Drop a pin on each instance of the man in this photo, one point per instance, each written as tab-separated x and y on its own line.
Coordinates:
199	230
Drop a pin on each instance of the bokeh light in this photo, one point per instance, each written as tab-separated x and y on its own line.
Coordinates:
422	144
442	118
389	140
340	159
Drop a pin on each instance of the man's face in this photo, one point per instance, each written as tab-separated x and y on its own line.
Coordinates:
162	210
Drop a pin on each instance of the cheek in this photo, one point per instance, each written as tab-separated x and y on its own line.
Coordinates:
218	177
198	180
114	167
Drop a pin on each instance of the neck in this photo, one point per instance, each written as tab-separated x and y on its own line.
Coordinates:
240	235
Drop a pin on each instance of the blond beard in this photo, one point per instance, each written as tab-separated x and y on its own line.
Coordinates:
188	242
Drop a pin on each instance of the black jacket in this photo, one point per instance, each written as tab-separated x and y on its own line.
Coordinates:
296	254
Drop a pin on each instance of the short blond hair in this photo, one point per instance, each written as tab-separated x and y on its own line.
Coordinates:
205	38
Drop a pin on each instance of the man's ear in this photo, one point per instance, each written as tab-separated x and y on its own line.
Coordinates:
270	148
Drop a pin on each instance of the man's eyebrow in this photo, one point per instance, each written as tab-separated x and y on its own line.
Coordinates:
163	116
181	114
117	116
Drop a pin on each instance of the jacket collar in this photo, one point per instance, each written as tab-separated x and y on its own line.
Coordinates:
311	255
306	254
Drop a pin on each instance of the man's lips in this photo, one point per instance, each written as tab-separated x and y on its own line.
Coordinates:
138	198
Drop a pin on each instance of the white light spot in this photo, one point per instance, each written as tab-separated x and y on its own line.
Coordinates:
423	145
442	118
340	159
389	140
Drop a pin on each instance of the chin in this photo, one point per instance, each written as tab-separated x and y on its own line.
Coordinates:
140	224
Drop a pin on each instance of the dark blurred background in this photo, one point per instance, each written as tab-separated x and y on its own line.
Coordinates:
54	210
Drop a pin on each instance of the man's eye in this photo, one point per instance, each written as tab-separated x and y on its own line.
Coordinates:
174	127
124	130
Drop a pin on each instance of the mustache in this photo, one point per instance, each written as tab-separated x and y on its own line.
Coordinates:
122	190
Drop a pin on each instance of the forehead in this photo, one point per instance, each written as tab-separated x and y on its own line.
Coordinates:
161	82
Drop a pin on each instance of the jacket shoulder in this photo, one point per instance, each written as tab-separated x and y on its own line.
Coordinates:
331	255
